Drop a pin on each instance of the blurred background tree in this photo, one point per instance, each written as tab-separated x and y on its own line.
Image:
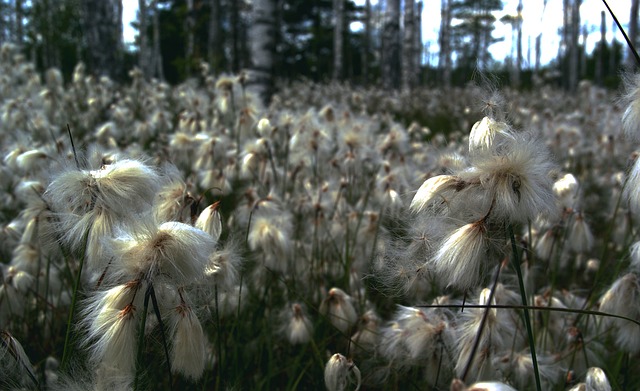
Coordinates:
364	42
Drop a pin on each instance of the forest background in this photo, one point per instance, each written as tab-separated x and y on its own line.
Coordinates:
288	40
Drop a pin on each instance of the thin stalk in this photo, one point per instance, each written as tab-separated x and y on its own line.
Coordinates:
483	322
218	331
156	309
527	320
73	147
531	308
66	353
140	358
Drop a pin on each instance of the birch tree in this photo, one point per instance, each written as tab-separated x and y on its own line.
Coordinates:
444	40
391	45
633	33
262	38
157	69
144	54
574	53
408	46
338	38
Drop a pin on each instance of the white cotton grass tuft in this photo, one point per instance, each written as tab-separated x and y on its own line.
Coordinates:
209	221
125	187
457	385
297	328
634	255
224	266
431	191
368	335
459	260
580	237
518	180
632	188
339	309
488	135
111	320
174	251
15	363
622	299
188	343
340	372
631	99
518	366
424	337
596	380
90	204
498	334
566	189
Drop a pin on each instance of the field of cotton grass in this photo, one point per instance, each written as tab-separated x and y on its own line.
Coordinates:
187	237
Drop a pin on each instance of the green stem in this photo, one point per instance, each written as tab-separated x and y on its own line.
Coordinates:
527	319
140	354
66	353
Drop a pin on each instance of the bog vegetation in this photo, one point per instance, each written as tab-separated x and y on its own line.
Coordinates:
188	237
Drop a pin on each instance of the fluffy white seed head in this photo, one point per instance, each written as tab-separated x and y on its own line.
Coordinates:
566	190
622	299
110	317
596	380
173	250
210	221
459	260
580	237
631	115
127	186
298	328
338	307
519	181
339	372
188	344
431	191
487	135
632	189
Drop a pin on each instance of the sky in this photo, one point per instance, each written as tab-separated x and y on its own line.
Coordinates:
536	19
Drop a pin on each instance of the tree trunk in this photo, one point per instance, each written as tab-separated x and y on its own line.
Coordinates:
261	38
157	67
391	45
633	33
144	57
519	46
601	45
366	47
102	28
408	49
235	36
189	27
338	39
612	51
574	52
539	40
444	61
19	30
215	53
417	44
582	54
